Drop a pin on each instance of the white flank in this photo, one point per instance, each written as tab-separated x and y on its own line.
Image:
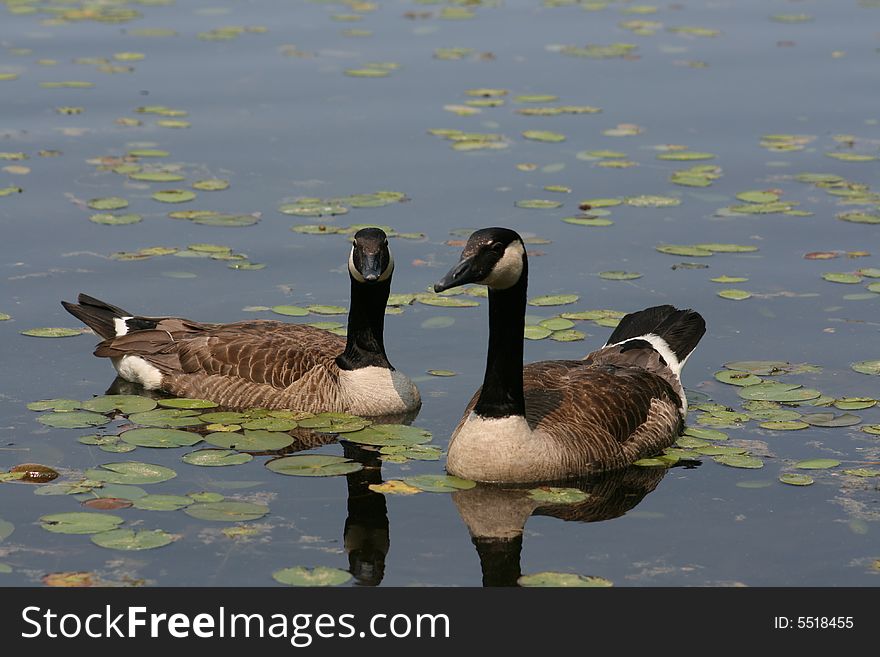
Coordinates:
508	269
377	391
137	370
119	323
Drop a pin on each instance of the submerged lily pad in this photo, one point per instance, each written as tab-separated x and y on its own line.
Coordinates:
317	576
313	465
562	580
6	529
228	511
79	522
439	483
130	540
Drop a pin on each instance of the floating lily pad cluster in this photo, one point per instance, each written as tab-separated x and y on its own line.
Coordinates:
461	140
329	207
200	250
847	193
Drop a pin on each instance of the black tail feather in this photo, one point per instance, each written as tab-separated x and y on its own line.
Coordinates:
96	314
681	329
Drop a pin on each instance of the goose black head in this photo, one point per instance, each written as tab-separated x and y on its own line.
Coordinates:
370	260
494	257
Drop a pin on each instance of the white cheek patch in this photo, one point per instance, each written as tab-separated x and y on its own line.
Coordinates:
508	269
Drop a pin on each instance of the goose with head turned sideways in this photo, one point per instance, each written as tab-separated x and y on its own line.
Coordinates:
264	363
559	419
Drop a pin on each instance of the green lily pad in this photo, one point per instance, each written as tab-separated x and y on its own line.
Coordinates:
439	483
6	529
206	497
704	434
760	367
777	391
758	197
272	424
685	156
856	472
228	511
737	378
211	185
729	279
73	419
719	450
216	457
156	176
734	294
554	300
290	311
831	420
833	277
817	464
131	472
115	219
180	402
389	434
544	135
854	403
536	332
873	429
401	453
649	201
327	310
871	367
655	462
174	196
79	522
123	403
55	405
162	502
441	372
554	495
794	479
538	204
51	332
618	275
167	417
107	203
556	324
739	461
130	540
568	335
318	576
430	299
313	465
683	250
160	437
718	247
784	425
334	423
562	580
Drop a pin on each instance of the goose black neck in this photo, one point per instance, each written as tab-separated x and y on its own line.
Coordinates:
502	393
365	346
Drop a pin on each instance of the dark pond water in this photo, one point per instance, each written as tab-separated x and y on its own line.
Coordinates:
272	110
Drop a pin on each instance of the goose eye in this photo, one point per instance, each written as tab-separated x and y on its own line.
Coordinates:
498	247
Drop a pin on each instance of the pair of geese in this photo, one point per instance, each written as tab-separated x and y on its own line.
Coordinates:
544	421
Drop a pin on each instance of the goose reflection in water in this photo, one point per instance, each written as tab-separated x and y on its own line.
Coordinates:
496	515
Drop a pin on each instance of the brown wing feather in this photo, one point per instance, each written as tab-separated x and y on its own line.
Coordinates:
265	352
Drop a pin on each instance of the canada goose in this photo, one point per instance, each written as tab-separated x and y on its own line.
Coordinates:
558	419
496	515
264	363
